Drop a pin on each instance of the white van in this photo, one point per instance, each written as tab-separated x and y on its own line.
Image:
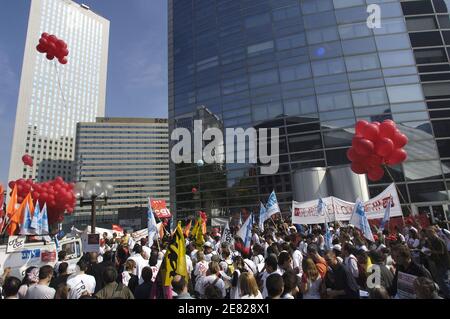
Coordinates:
39	254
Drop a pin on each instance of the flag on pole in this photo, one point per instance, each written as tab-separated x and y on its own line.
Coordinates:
272	205
25	227
245	232
204	219
151	225
2	211
227	236
262	216
387	215
187	229
17	217
328	238
198	235
175	257
35	220
360	221
195	228
43	221
12	204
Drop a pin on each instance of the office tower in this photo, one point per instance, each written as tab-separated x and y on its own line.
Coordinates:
130	153
312	69
54	97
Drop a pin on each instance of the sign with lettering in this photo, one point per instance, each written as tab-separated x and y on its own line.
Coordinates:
15	243
160	209
337	209
28	254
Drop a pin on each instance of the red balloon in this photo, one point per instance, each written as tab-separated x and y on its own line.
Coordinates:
36	195
52	38
387	129
397	156
375	173
20	199
11	184
400	139
374	160
370	132
360	125
41	48
50	57
358	168
384	147
65	52
63	61
45	35
43	42
376	123
363	146
60	43
194	190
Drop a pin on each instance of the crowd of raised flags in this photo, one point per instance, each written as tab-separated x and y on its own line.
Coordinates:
24	218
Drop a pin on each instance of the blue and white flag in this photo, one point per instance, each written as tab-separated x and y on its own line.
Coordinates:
26	222
43	221
360	221
387	215
151	225
262	216
272	205
328	237
35	221
245	232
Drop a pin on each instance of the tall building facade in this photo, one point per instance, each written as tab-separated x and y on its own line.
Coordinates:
312	69
131	154
54	97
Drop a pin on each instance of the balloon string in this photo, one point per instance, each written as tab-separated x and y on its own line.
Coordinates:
59	84
399	191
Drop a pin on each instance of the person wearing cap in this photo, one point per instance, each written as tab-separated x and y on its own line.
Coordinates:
337	248
208	251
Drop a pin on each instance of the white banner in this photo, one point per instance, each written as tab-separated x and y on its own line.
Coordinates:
340	210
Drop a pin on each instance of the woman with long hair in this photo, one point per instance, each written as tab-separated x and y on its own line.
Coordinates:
248	287
311	280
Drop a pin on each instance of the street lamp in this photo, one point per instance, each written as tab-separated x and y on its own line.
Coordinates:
92	193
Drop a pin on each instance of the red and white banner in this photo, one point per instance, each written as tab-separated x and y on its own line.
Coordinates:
340	210
160	209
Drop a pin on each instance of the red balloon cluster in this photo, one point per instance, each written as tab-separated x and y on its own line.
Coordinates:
375	144
27	160
194	190
58	195
53	47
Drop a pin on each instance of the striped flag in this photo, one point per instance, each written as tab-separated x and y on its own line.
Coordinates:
262	216
360	221
272	205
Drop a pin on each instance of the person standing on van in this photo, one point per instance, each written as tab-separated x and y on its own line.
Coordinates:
42	290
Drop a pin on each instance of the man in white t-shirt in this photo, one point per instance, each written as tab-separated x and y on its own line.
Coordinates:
81	283
271	268
212	278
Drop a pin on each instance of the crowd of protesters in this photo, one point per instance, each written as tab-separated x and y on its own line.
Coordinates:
284	261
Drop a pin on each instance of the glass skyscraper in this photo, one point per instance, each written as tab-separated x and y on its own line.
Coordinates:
312	68
54	97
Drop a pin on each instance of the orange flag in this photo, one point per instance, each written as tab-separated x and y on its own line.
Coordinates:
17	217
11	208
187	229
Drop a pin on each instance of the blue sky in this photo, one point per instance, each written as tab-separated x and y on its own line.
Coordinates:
137	66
